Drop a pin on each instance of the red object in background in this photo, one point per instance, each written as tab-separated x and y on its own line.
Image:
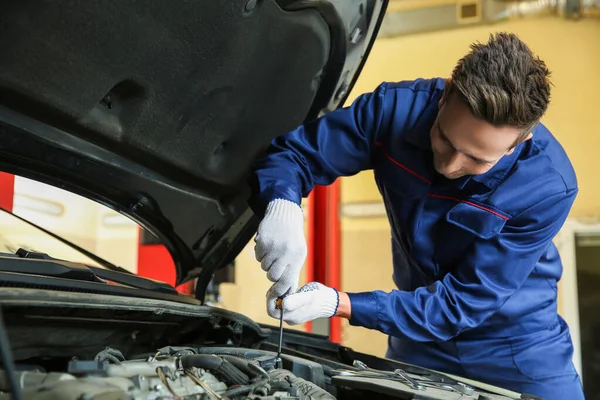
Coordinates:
324	244
155	262
310	246
7	191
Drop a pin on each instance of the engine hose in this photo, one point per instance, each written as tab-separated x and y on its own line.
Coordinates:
247	365
238	356
261	387
231	374
240	359
219	366
238	391
307	388
242	365
204	361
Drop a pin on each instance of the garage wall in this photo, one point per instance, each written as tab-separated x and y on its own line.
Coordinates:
572	51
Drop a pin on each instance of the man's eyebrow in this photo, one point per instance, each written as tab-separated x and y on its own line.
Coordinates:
445	139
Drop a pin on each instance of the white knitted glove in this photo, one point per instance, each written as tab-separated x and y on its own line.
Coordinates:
312	301
281	249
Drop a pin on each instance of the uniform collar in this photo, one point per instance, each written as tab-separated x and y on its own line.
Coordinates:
419	135
498	172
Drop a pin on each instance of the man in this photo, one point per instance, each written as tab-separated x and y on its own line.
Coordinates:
475	189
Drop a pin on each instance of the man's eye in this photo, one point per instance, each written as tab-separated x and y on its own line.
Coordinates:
444	140
480	162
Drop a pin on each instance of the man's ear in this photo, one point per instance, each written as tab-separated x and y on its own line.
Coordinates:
524	140
445	94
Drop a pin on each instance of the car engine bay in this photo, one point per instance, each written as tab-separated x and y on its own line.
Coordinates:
189	373
170	373
92	346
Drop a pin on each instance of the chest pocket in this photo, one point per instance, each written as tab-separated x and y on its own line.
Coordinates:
465	223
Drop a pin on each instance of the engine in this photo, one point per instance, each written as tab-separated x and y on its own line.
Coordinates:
168	374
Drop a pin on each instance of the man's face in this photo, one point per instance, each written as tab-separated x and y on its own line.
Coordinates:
464	145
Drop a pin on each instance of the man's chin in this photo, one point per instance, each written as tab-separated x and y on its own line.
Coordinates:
450	176
456	176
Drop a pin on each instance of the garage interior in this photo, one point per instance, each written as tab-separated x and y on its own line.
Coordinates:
346	227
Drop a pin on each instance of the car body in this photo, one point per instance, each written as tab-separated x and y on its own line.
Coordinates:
158	110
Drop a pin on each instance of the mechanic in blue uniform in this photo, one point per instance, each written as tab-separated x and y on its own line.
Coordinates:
475	189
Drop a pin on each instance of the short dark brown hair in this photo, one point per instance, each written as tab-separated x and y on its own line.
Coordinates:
503	82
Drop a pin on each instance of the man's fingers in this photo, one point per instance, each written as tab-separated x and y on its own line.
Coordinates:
278	289
294	308
267	263
280	246
287	283
259	251
272	309
294	287
276	270
291	302
284	268
294	320
296	301
289	279
296	317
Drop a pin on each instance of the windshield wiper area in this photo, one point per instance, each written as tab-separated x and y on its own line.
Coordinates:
81	250
33	263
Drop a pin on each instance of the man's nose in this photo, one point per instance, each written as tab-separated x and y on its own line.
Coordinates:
452	164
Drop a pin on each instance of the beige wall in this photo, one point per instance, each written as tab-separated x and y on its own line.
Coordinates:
571	50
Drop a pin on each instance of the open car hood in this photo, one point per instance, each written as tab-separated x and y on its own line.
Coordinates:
158	109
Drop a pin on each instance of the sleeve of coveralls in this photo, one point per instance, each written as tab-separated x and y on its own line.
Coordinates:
338	144
486	277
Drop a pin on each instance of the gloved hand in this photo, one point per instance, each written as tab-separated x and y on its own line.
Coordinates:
281	249
312	301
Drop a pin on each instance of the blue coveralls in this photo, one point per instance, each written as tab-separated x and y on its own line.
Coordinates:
474	262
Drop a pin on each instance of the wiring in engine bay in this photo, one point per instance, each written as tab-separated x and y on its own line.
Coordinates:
170	373
223	373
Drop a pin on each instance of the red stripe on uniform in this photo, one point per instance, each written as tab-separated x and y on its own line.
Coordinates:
402	166
437	196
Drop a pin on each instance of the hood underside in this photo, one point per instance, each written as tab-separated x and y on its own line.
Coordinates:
158	109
